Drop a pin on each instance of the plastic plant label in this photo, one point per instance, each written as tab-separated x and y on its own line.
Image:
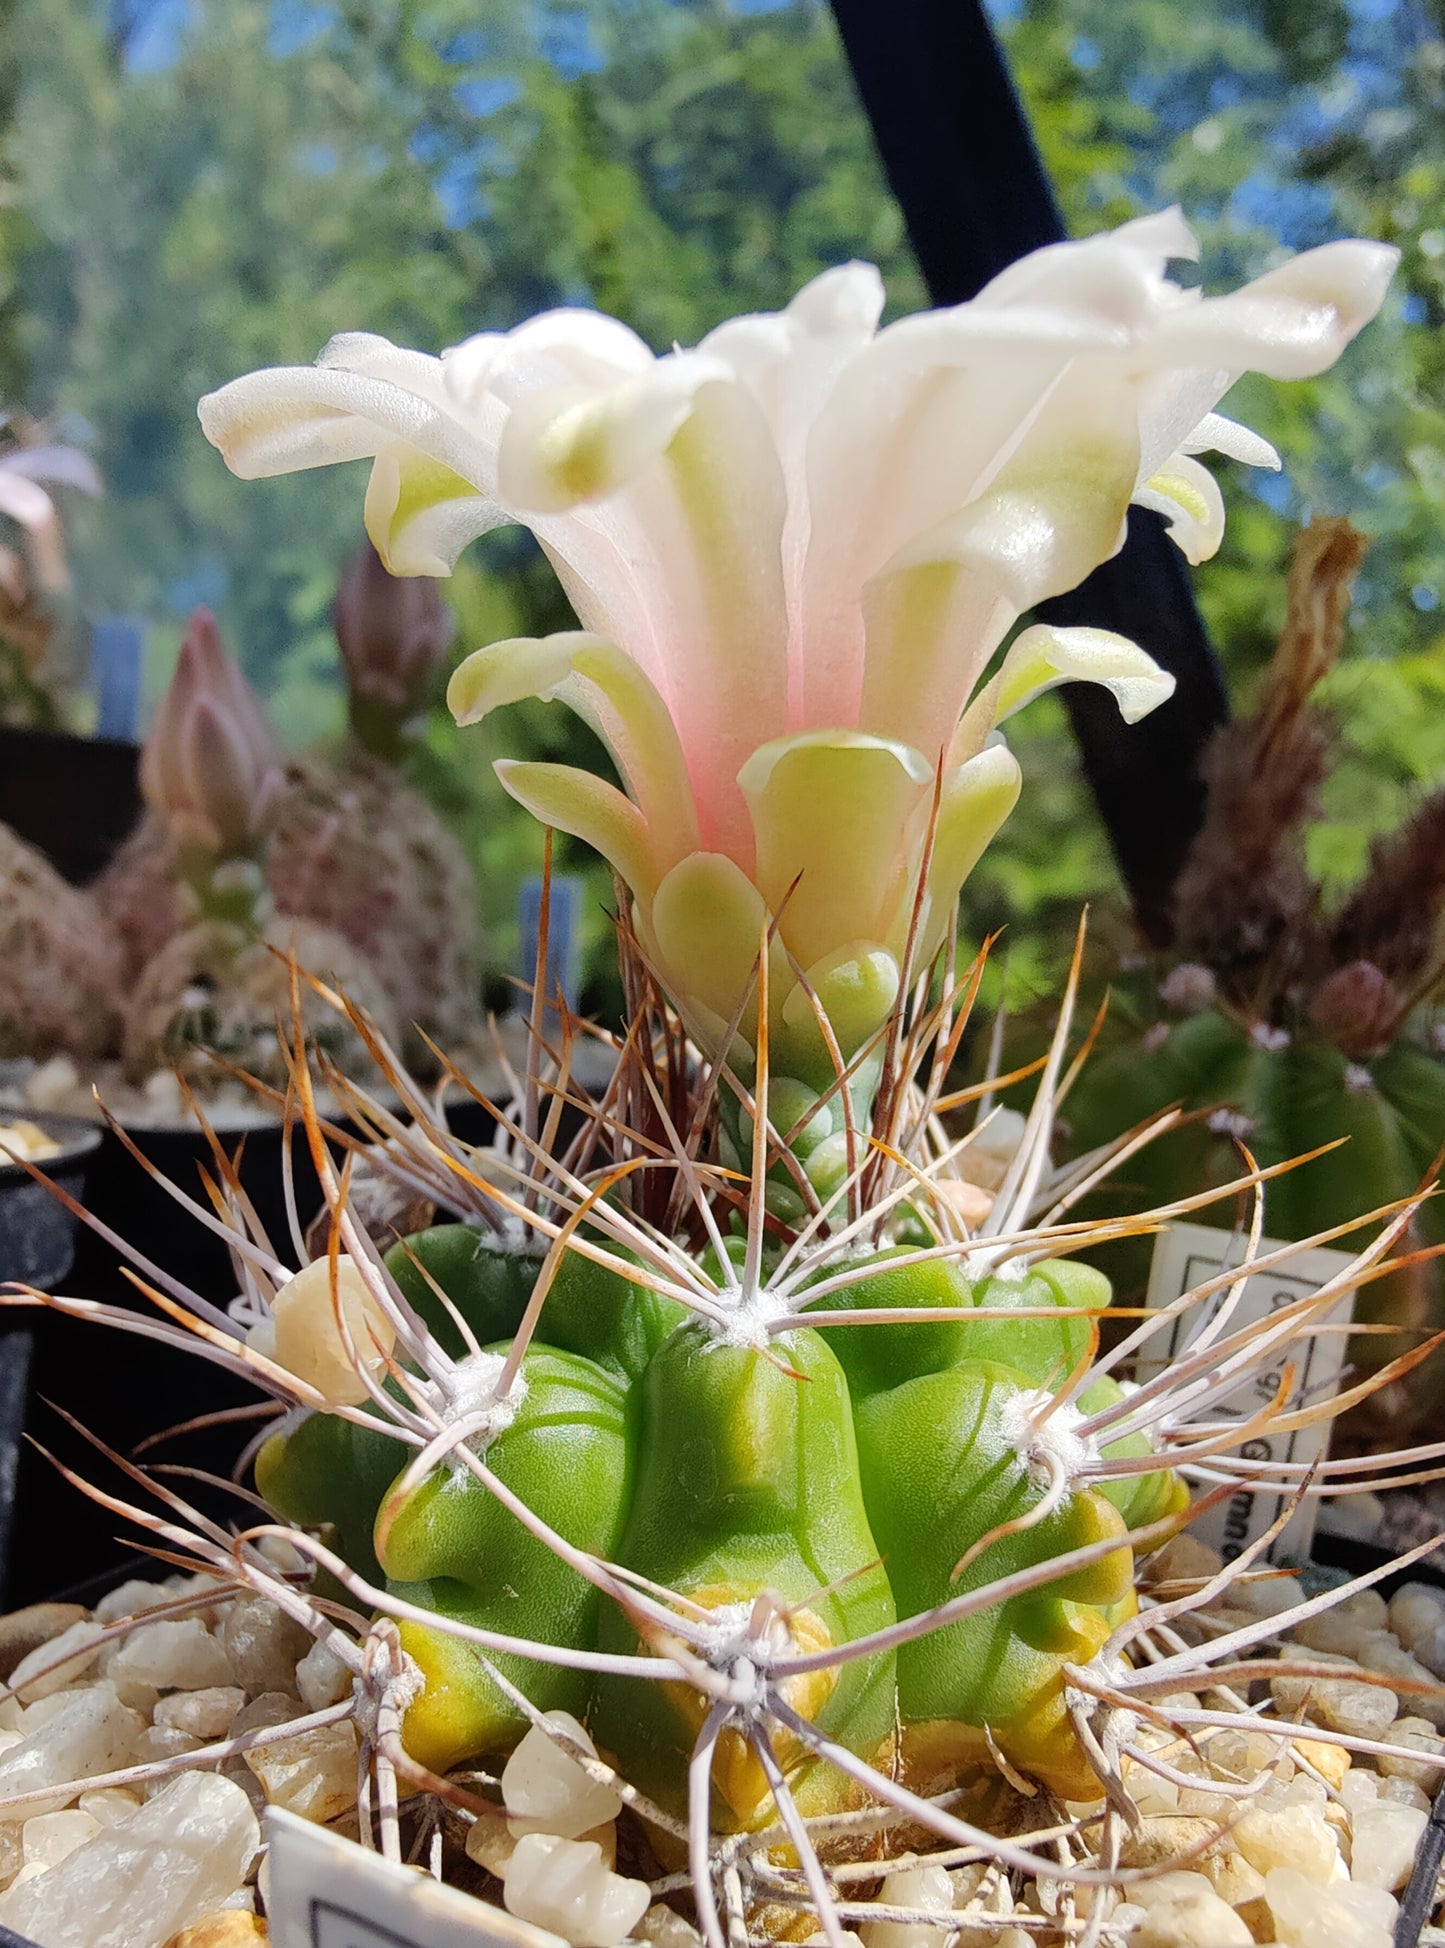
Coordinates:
326	1892
1186	1255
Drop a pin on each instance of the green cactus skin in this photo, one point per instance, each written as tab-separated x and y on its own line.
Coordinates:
1294	1098
488	1285
748	1481
323	1471
449	1545
846	1470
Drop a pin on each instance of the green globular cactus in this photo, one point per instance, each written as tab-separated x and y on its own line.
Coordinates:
840	1474
1284	1022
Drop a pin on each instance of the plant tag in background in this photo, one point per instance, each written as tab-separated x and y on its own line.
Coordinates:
326	1892
1186	1255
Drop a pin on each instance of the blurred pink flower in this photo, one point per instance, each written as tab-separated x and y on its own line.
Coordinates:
209	765
394	635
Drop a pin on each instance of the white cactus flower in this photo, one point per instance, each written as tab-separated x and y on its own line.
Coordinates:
794	551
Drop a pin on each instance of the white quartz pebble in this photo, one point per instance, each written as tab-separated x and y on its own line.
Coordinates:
311	1344
1269	1595
178	1655
205	1714
313	1774
1415	1610
565	1885
1344	1916
90	1731
1382	1849
664	1927
53	1665
546	1790
1404	1792
1429	1647
322	1678
928	1888
109	1805
12	1856
262	1645
1379	1651
165	1742
1183	1911
128	1599
1344	1704
51	1836
136	1884
1419	1735
1293	1836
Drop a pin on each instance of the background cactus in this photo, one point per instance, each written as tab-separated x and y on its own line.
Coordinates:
353	848
61	965
1288	1023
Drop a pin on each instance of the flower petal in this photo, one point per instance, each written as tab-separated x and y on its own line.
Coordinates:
420	515
1188	496
62	466
566	444
612	694
590	809
1291	323
1216	434
1042	657
832	813
706	923
975	801
940	608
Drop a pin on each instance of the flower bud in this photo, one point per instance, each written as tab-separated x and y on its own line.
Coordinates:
209	765
1358	1008
394	633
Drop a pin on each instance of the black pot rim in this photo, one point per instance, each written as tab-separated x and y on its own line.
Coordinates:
78	1138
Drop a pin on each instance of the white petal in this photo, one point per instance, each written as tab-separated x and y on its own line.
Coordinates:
941	607
420	515
1216	434
1292	322
613	695
295	417
1042	657
1188	496
23	501
568	444
976	799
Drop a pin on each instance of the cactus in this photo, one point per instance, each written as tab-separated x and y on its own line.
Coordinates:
353	848
1282	1022
728	1414
60	963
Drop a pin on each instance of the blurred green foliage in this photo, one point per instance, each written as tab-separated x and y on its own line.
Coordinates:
192	188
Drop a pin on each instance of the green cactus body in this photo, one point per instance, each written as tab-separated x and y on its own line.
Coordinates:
326	1472
1292	1095
449	1545
488	1285
842	1472
748	1482
941	1468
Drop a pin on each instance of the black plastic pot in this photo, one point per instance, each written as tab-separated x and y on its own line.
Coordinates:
124	1388
74	798
37	1232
